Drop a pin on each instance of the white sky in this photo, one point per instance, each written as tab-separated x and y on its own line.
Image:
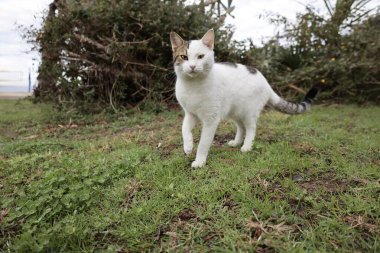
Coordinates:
249	24
13	50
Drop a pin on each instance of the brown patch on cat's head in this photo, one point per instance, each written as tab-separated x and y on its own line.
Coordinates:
179	47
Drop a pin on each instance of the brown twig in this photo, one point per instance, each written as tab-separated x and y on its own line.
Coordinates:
300	90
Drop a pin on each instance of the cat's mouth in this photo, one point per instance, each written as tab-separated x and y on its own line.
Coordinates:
193	73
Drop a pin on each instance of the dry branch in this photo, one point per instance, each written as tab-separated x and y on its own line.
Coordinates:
82	38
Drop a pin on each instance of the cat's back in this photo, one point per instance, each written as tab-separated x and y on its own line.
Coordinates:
237	76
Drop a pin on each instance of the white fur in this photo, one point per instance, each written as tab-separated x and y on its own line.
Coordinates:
216	92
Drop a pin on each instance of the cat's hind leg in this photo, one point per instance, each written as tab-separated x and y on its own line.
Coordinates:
239	137
250	132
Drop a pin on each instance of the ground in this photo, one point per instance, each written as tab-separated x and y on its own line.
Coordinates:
121	183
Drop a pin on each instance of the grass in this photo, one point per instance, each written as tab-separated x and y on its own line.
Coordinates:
120	183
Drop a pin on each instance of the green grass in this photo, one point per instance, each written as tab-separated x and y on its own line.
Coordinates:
120	183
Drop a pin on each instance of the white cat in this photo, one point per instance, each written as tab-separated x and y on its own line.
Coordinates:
210	92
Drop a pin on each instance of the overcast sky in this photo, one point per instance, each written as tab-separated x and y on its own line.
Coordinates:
248	24
14	51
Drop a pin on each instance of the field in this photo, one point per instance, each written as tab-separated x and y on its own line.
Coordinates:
121	183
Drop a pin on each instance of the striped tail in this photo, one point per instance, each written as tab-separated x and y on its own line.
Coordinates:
293	108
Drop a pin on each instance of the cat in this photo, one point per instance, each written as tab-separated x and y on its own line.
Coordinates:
210	92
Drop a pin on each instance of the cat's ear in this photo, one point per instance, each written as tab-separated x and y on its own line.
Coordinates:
208	39
176	41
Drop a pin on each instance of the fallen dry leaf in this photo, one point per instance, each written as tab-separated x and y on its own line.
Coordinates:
172	234
259	225
3	213
281	228
31	137
360	222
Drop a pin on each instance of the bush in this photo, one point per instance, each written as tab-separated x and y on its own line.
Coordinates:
98	54
114	54
340	58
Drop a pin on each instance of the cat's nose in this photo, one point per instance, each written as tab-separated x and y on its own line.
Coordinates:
192	67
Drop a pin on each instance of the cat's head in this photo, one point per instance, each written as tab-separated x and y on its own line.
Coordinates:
193	58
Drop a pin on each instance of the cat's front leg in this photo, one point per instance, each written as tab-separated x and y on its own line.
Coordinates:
187	126
207	136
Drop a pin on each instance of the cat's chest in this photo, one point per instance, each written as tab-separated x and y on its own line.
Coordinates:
197	98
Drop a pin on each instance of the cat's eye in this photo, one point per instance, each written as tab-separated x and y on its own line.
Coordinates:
201	56
183	57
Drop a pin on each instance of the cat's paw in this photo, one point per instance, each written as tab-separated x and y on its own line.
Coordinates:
188	149
198	163
233	143
246	149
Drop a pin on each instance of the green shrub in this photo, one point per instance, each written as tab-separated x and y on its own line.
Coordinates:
341	59
98	54
102	54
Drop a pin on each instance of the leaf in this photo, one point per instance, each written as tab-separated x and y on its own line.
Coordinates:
3	214
172	234
281	228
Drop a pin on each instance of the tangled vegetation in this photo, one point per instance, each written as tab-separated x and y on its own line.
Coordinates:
340	53
116	53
